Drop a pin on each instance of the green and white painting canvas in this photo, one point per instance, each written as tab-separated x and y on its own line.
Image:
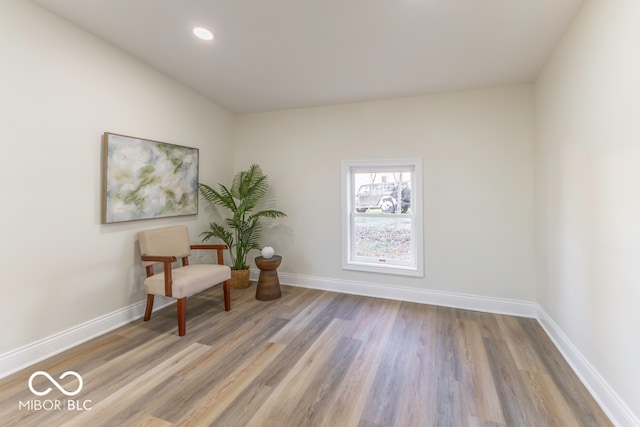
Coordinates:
147	179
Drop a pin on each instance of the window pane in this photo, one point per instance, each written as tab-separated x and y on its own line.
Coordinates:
382	191
383	238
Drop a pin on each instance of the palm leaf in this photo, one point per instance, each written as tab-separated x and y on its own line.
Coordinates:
221	198
269	213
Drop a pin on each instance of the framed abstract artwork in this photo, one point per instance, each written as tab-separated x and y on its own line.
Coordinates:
145	179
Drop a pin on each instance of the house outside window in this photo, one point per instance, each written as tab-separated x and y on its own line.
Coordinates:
382	216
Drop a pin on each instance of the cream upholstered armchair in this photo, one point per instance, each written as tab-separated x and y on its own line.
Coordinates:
168	245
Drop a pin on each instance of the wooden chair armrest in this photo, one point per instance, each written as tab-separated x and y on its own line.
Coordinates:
218	248
157	258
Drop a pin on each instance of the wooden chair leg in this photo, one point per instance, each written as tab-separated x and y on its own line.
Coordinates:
226	288
147	311
182	316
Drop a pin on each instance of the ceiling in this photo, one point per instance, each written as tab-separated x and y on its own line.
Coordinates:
280	54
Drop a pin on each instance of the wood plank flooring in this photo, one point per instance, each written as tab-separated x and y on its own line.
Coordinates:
310	358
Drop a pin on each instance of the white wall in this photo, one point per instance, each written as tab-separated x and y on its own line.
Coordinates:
588	190
60	89
477	151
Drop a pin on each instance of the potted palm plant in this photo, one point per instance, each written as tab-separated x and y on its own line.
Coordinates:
242	230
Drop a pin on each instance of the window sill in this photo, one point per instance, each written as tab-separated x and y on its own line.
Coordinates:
387	269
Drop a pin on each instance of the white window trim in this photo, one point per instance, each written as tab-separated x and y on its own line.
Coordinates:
348	209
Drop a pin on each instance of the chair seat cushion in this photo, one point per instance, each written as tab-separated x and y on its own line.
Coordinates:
188	280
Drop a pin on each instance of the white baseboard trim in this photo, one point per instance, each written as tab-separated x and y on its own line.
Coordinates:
424	296
615	408
30	354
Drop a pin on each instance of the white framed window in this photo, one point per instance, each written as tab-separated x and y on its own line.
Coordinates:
382	216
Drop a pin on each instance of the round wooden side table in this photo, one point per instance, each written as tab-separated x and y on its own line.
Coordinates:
268	287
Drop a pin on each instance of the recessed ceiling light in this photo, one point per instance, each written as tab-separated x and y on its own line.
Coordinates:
203	33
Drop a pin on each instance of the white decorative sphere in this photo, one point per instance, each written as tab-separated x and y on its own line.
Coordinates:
267	252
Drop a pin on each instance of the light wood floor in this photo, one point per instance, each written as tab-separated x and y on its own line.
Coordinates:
311	358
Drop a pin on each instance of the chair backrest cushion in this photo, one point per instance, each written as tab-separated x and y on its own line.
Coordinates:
169	241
